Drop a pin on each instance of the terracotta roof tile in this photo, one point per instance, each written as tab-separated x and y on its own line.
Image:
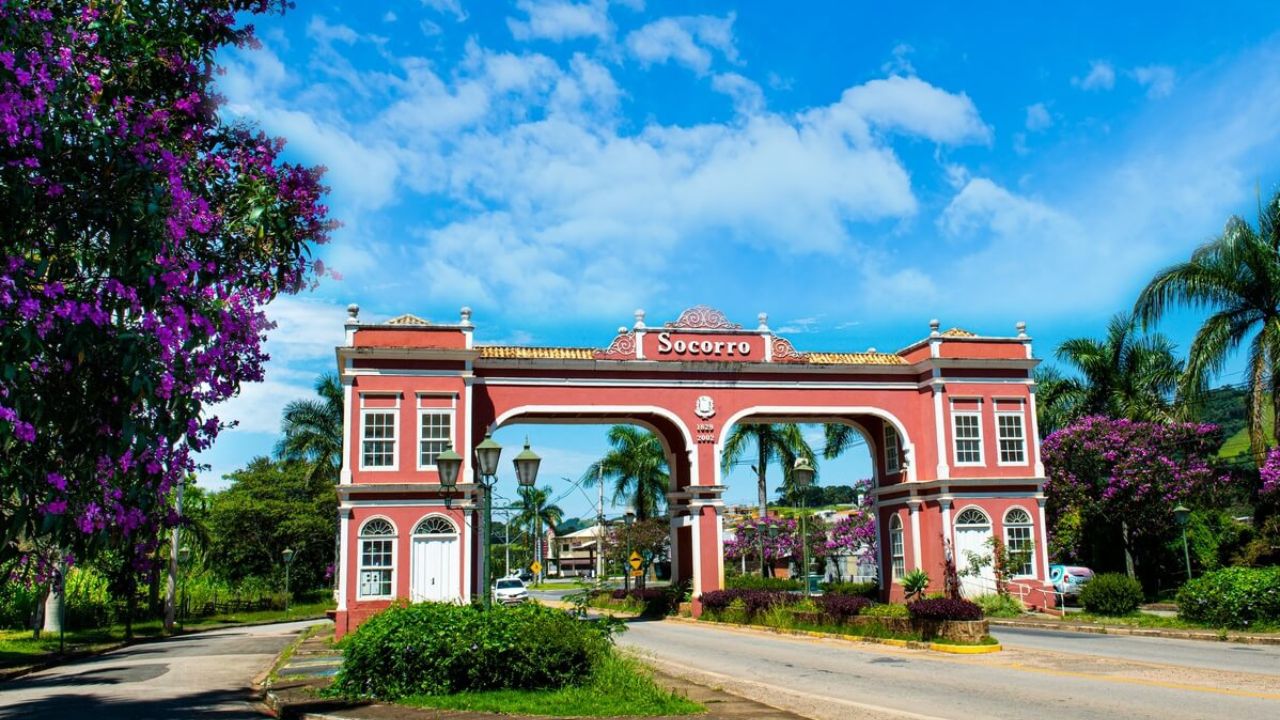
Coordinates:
956	332
507	352
862	358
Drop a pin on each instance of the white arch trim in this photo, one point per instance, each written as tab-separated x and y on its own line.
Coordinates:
966	508
611	413
395	529
430	515
838	413
1004	520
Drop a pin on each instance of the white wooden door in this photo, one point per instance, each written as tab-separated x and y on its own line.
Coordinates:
434	567
972	538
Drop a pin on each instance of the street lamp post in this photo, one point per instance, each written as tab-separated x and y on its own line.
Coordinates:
488	452
1181	515
288	561
801	476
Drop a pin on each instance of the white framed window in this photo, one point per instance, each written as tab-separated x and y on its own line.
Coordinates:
1013	440
435	433
897	549
377	560
378	439
1018	542
966	430
892	451
435	525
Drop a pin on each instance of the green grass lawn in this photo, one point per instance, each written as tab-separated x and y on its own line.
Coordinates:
18	647
621	686
1147	620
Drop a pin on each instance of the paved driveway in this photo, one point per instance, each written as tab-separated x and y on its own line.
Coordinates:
193	677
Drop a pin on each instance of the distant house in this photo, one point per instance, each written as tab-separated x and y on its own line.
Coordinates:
575	553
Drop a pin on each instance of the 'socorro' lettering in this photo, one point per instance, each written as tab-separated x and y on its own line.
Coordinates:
719	348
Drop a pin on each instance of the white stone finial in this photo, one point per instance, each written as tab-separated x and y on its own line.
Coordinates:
639	319
934	324
1022	328
466	316
764	322
353	313
622	329
871	350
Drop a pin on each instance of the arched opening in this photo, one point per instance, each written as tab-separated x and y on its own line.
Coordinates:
766	514
434	560
973	552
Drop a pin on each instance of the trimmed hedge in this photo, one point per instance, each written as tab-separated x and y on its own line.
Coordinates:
755	582
1111	594
440	649
1233	597
869	590
754	601
944	609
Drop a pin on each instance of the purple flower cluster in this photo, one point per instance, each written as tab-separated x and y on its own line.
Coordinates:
1270	472
1128	470
143	239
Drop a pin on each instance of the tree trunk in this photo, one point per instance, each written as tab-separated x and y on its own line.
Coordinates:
761	487
1128	550
53	606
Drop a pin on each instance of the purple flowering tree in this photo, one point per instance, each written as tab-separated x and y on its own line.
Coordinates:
142	237
1116	482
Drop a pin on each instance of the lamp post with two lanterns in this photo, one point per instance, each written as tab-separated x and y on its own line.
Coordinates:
801	476
488	452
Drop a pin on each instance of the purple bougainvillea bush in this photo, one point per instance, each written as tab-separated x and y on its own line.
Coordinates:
1129	473
142	235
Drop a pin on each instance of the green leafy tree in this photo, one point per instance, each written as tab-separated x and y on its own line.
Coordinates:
1123	375
782	443
312	430
636	467
1236	278
271	506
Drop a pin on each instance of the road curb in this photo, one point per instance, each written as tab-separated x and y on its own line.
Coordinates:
818	635
1171	634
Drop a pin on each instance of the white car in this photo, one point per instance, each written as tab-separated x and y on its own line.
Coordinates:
510	591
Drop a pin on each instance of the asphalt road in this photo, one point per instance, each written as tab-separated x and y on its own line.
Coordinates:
837	679
1189	654
203	676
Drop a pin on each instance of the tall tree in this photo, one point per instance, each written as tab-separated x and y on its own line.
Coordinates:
536	512
636	466
1236	278
1124	375
312	430
142	234
783	443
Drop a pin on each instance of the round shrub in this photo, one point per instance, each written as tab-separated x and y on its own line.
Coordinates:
944	609
842	607
439	649
1233	597
1111	594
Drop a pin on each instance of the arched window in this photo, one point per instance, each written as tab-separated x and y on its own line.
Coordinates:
377	559
972	516
897	550
435	525
1018	542
892	455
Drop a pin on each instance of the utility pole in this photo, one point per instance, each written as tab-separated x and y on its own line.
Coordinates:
600	523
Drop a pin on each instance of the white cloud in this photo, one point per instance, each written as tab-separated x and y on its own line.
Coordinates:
390	16
1102	76
559	20
899	62
747	96
1158	79
685	40
320	29
451	7
1038	117
913	107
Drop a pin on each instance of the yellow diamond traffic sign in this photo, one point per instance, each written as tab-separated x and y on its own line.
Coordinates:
536	567
635	560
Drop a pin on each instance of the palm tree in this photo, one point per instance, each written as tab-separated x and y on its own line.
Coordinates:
1124	375
636	465
781	442
1053	400
312	430
535	509
1236	277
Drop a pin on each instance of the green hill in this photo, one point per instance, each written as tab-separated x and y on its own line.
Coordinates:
1238	444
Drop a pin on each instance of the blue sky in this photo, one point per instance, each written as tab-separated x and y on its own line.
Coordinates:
853	169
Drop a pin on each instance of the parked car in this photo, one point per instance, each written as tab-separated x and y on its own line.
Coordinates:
525	575
510	591
1069	580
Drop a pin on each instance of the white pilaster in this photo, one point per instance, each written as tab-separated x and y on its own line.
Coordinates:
943	469
1042	540
344	538
913	505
